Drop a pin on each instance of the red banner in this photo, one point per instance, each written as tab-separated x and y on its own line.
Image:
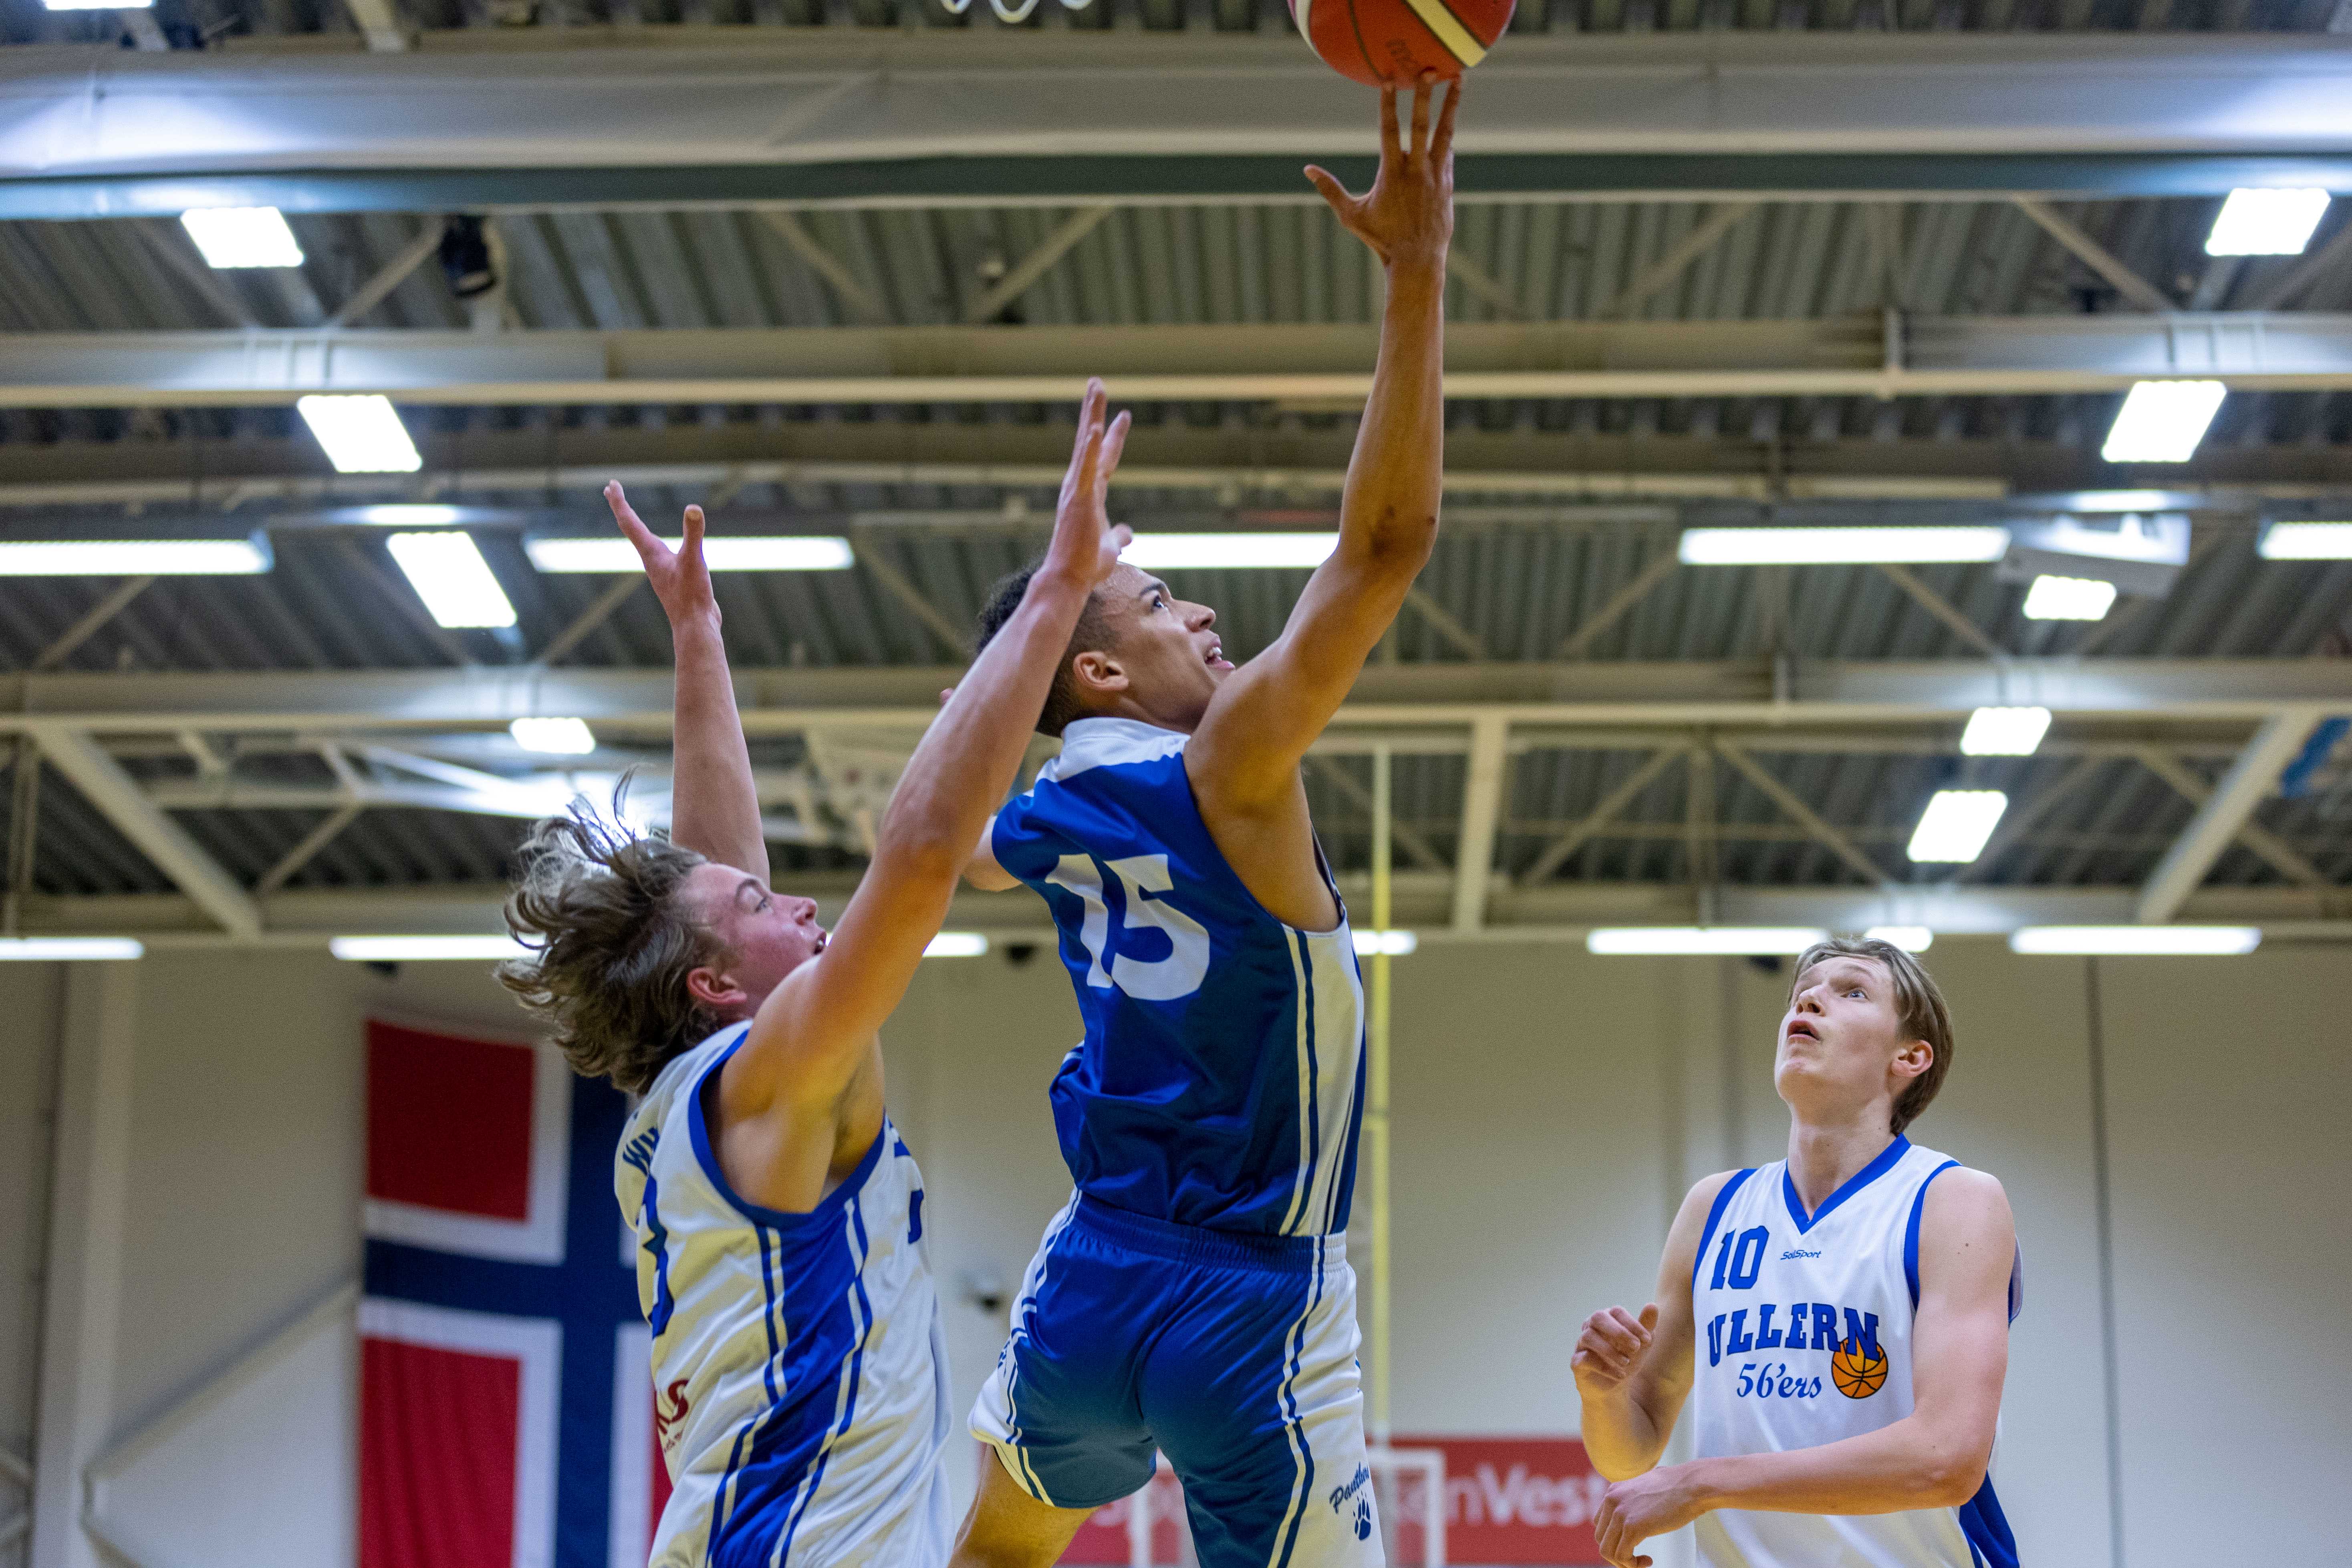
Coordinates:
1509	1501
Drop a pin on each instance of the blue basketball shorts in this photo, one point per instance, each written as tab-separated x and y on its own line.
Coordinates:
1234	1354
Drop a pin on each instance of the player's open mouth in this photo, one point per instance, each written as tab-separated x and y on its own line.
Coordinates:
1215	657
1804	1031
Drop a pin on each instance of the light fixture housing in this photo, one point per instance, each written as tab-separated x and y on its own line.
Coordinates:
553	737
1395	943
956	944
360	432
2004	731
1954	827
425	949
1212	551
235	237
2285	540
2159	941
68	949
2162	421
223	557
2254	221
2069	598
610	553
98	4
1733	941
1922	544
449	575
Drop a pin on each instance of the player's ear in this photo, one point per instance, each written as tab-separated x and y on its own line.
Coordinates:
1098	672
1914	1058
713	988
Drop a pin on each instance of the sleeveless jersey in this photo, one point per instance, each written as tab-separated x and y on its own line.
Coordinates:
1804	1338
1220	1082
799	1360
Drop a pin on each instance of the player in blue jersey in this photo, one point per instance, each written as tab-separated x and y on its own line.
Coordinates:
1194	1297
797	1348
1841	1316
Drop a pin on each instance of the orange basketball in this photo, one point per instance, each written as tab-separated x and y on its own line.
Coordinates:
1391	42
1857	1373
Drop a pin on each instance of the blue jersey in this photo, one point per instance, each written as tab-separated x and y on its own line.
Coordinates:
1219	1083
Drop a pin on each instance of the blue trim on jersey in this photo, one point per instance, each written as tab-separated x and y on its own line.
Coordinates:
1911	1231
775	1219
1306	958
1859	1180
865	1324
1715	1218
1986	1528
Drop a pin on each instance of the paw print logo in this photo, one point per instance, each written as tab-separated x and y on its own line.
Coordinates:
1363	1519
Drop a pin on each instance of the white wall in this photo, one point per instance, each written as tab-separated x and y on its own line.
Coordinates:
1549	1108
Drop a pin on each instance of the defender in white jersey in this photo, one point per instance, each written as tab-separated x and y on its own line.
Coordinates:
799	1372
1839	1317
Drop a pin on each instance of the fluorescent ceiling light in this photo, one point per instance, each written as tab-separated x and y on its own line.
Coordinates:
242	236
133	557
1956	825
781	553
1183	552
1394	942
425	948
67	949
98	4
1924	545
2306	541
1730	941
2069	599
449	575
408	514
2265	222
361	433
556	737
1910	939
2004	731
2168	941
956	944
2162	421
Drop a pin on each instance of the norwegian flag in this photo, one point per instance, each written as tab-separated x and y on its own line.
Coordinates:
506	1406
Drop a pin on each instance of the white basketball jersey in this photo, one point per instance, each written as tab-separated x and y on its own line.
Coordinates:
1804	1338
799	1360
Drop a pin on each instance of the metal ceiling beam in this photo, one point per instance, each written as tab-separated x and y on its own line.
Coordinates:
868	115
1838	356
2246	786
1622	697
1557	911
1481	811
119	797
707	459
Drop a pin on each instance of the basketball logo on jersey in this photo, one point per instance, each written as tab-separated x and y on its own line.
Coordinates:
1858	1368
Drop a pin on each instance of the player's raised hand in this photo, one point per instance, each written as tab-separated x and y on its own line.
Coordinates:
1610	1347
680	579
1407	217
1086	544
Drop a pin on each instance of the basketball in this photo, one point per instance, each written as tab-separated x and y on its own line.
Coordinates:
1388	43
1857	1373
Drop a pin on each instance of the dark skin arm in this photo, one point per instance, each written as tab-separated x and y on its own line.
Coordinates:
1243	759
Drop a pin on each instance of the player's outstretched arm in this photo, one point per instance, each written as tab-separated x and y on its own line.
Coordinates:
1934	1458
1248	746
1633	1370
815	1029
714	806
